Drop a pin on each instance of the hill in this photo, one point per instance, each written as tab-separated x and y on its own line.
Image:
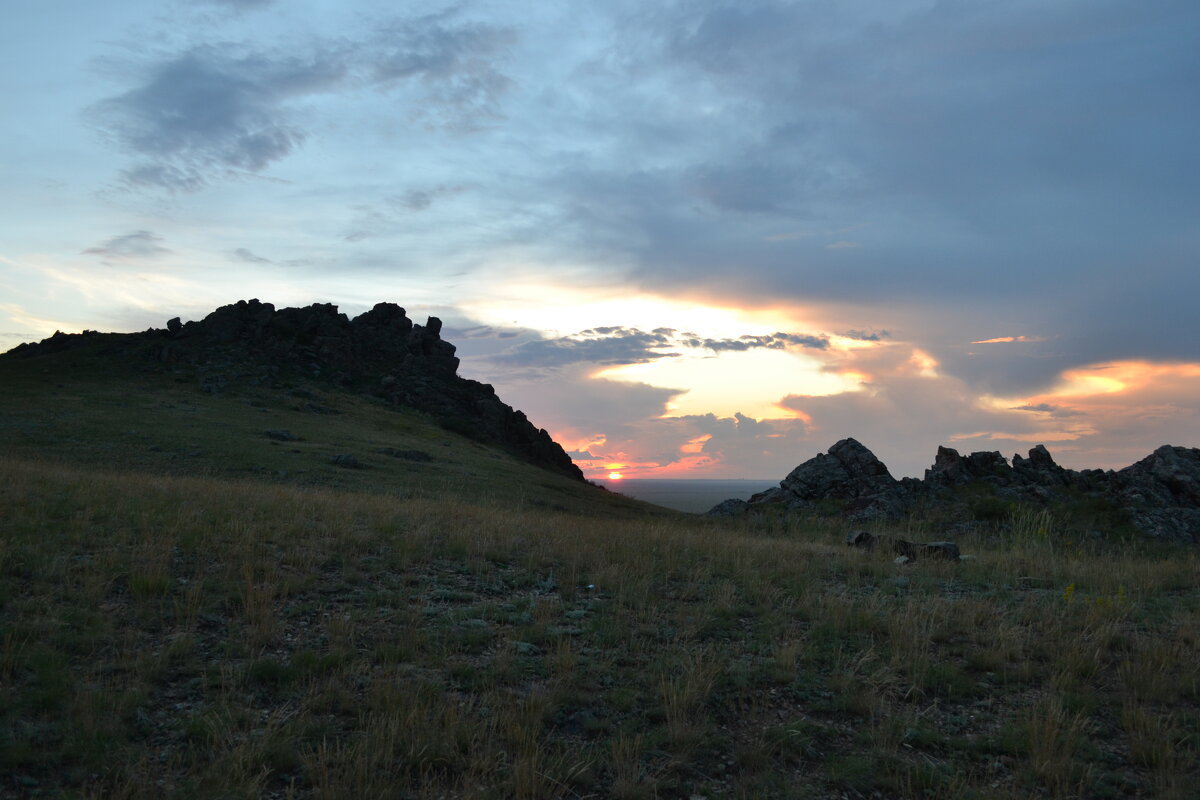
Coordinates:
300	396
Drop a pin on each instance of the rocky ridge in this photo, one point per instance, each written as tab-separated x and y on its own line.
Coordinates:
381	352
1159	495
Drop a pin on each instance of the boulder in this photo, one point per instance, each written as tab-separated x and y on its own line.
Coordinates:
848	474
910	551
729	508
1161	493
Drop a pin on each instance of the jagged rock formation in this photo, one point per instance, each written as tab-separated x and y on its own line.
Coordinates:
849	479
381	352
1159	495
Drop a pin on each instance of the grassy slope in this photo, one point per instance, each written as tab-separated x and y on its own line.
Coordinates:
78	408
386	633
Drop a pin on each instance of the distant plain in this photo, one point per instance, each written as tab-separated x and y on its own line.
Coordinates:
691	495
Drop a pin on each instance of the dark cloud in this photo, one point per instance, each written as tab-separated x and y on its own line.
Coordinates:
773	341
392	214
139	244
246	256
625	347
742	445
801	340
992	162
470	332
422	199
216	110
211	111
611	345
864	336
1047	408
576	407
455	61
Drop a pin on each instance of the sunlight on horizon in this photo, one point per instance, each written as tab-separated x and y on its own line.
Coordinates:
563	310
749	382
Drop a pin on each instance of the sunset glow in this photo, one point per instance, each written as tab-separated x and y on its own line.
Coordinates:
539	302
750	383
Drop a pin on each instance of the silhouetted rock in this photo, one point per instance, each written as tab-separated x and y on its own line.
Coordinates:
1159	495
951	469
849	470
1162	492
1040	470
381	352
849	477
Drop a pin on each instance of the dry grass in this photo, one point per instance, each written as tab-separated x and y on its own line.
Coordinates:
183	637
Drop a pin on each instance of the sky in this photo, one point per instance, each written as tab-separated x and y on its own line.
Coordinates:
690	239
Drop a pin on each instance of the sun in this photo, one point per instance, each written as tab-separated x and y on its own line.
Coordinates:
615	476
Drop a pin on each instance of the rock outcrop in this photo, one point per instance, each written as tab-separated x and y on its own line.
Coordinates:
849	479
909	551
1161	492
1159	495
381	352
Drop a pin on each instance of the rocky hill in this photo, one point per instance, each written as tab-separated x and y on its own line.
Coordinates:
1159	496
381	353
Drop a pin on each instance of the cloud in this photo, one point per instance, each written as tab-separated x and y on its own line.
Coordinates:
626	347
618	345
455	61
138	245
391	214
213	110
1010	339
247	257
240	4
1056	203
422	199
217	110
1046	408
864	336
580	411
772	341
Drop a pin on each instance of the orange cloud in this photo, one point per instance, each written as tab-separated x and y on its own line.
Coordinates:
1116	377
1036	437
1119	410
925	364
1005	339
